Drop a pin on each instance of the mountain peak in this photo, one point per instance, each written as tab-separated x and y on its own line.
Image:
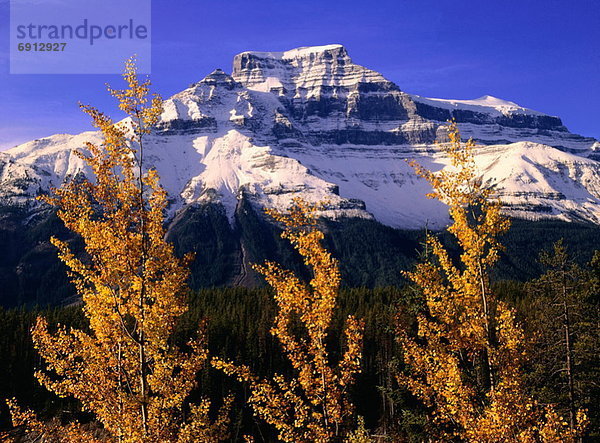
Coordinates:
218	78
301	52
311	123
302	72
490	100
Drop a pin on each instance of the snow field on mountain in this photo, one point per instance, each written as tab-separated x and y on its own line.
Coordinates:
311	123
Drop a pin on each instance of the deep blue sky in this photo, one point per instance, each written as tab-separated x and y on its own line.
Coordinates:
542	54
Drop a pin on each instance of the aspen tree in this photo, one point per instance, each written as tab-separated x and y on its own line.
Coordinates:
466	360
314	406
125	369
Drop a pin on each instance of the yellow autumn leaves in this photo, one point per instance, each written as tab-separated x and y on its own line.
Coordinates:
464	361
315	405
125	370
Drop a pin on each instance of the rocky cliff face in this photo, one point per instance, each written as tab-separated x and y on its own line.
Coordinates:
310	122
329	99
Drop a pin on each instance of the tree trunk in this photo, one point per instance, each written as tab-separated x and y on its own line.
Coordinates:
569	354
142	305
143	384
488	332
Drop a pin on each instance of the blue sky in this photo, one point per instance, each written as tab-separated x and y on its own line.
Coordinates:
542	54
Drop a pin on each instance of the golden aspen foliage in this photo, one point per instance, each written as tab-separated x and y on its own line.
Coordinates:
314	406
126	369
48	432
465	362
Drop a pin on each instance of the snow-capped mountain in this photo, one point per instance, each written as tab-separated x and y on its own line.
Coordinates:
310	122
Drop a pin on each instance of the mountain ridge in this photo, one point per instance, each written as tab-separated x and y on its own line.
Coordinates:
310	122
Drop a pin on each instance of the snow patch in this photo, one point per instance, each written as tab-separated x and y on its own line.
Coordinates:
485	104
293	53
